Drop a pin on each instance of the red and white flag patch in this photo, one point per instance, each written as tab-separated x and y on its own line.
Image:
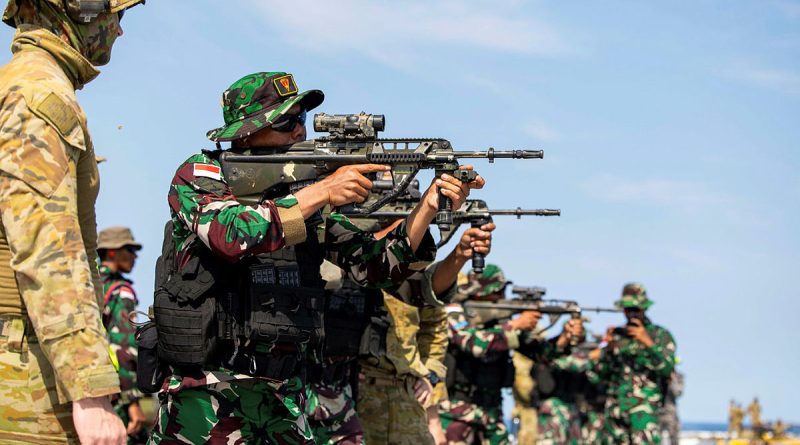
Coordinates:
208	171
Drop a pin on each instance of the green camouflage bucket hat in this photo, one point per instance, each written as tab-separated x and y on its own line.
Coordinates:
256	101
634	295
489	282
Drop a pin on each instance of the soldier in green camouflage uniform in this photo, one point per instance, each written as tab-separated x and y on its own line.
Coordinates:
635	365
117	251
479	364
55	370
559	403
265	110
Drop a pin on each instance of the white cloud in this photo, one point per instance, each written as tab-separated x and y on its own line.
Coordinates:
541	132
394	33
783	81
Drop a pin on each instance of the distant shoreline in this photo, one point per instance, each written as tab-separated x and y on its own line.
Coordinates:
723	427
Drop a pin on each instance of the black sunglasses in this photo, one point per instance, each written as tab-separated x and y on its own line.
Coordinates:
288	121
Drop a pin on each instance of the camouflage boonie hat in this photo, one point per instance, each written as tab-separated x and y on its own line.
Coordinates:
256	101
488	282
116	238
634	295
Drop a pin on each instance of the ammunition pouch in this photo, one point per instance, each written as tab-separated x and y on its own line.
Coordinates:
279	313
185	313
373	339
150	372
349	330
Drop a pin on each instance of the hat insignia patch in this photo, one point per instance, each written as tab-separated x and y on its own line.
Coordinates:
285	85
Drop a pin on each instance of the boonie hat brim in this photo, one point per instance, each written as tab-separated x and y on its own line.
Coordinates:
264	118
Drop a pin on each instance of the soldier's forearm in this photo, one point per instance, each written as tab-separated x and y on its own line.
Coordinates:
447	273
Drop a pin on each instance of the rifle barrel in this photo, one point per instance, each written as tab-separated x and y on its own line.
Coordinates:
492	154
520	307
601	309
519	212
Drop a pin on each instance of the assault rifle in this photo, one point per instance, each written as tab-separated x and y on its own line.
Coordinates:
475	212
531	299
255	172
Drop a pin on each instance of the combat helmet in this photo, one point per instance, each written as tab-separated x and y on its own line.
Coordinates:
487	285
81	11
634	295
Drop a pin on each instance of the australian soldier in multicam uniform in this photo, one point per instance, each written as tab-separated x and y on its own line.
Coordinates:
252	390
524	412
117	251
401	389
479	364
635	365
53	349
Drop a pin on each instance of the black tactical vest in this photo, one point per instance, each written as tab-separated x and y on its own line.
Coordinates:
478	380
348	313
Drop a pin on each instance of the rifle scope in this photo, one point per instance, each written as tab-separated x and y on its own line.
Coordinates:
367	124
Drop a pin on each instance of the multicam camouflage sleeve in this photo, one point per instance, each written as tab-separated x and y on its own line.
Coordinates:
433	341
122	336
203	206
376	263
53	270
478	341
417	289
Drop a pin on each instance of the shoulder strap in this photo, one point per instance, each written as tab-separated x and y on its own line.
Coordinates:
116	286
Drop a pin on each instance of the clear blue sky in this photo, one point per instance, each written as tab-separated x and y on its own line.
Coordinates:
670	131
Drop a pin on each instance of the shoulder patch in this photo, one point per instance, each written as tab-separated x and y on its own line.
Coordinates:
207	171
127	293
58	113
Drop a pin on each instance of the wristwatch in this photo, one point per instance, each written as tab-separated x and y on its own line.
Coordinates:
433	378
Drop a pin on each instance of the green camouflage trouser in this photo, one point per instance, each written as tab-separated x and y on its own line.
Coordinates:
238	411
559	423
631	421
592	427
390	413
29	409
464	422
331	413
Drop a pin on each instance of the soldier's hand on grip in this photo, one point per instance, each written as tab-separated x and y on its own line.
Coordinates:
348	184
452	188
475	240
526	321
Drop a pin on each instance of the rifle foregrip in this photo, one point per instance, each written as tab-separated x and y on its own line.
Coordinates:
444	217
478	262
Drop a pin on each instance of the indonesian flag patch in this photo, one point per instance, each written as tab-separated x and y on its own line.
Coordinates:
207	171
